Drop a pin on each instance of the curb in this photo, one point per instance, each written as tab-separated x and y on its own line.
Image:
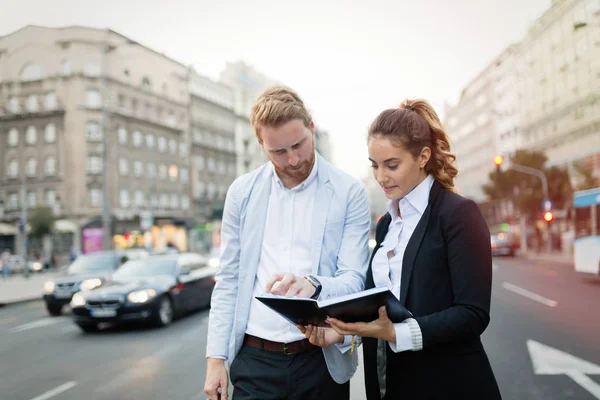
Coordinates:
547	259
6	304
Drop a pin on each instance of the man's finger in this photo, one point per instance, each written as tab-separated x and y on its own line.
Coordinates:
224	388
382	313
275	278
301	328
322	336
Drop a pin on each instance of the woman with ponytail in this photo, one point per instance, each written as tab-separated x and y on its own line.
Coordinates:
433	252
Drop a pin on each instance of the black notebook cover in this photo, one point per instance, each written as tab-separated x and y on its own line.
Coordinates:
356	307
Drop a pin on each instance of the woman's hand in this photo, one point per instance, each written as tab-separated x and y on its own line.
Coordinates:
381	328
322	337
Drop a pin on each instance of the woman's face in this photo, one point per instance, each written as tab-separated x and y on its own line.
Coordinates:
394	168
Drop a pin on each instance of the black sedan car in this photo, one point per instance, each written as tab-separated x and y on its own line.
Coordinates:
86	272
154	290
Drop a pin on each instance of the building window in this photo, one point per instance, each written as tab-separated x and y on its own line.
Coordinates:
151	170
13	201
164	200
31	169
138	168
174	201
150	140
92	69
50	133
93	98
32	199
139	199
31	72
222	191
32	104
13	169
65	68
50	102
122	132
162	144
201	189
146	84
211	164
124	198
137	138
172	146
153	200
123	166
13	137
50	198
94	165
171	118
93	131
185	202
14	105
31	135
185	176
182	149
162	171
50	166
199	163
94	197
212	189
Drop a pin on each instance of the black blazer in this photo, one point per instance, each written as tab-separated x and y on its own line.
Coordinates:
446	284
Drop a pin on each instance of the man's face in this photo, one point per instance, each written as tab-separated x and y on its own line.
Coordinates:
291	149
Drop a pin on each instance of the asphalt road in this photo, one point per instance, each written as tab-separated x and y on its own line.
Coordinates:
537	307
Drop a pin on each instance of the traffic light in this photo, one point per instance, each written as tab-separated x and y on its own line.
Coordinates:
548	216
498	160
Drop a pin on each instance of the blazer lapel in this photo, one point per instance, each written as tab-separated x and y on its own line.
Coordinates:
320	211
408	263
255	220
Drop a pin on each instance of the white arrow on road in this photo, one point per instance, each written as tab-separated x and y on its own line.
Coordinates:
547	360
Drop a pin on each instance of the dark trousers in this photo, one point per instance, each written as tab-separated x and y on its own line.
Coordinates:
265	375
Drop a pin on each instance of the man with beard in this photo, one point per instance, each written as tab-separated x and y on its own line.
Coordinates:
297	226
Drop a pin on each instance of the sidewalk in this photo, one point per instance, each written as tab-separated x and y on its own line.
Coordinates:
17	288
558	257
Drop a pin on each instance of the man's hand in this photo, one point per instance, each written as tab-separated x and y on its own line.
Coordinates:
289	285
381	328
216	377
322	337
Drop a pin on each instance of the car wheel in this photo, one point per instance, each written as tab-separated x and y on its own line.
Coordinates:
164	312
54	309
88	328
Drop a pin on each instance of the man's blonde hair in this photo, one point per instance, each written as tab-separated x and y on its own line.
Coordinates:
276	106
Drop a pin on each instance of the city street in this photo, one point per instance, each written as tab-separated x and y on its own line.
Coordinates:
538	306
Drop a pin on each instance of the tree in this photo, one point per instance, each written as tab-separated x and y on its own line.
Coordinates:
586	177
526	190
41	220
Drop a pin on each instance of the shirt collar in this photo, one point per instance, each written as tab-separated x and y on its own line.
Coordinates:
311	177
418	197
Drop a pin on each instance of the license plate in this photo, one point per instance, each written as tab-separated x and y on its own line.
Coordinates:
63	295
103	313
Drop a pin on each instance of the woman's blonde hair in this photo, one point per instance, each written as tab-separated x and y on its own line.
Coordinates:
276	106
415	125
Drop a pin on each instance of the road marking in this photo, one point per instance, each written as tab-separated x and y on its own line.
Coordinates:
529	295
57	390
69	328
547	360
35	324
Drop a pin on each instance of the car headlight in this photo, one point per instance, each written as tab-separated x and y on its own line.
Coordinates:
141	296
89	284
214	262
78	300
37	266
49	287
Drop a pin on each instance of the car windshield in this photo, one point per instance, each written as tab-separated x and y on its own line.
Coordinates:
147	267
92	263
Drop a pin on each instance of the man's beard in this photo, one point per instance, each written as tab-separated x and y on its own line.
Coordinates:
302	170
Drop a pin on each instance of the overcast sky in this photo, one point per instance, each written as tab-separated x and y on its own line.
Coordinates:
349	60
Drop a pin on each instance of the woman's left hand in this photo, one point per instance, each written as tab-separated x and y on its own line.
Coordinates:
381	328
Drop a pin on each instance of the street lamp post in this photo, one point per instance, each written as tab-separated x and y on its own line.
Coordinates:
106	225
23	225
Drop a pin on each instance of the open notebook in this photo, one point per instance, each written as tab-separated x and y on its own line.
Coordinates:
355	307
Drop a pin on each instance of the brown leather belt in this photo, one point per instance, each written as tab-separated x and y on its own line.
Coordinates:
286	348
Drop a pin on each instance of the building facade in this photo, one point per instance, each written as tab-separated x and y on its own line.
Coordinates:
76	101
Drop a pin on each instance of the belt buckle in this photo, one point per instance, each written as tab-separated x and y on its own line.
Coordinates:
285	349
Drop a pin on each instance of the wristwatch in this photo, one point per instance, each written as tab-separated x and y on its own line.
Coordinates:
315	282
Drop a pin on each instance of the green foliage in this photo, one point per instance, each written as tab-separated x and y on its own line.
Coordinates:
41	221
526	190
588	181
